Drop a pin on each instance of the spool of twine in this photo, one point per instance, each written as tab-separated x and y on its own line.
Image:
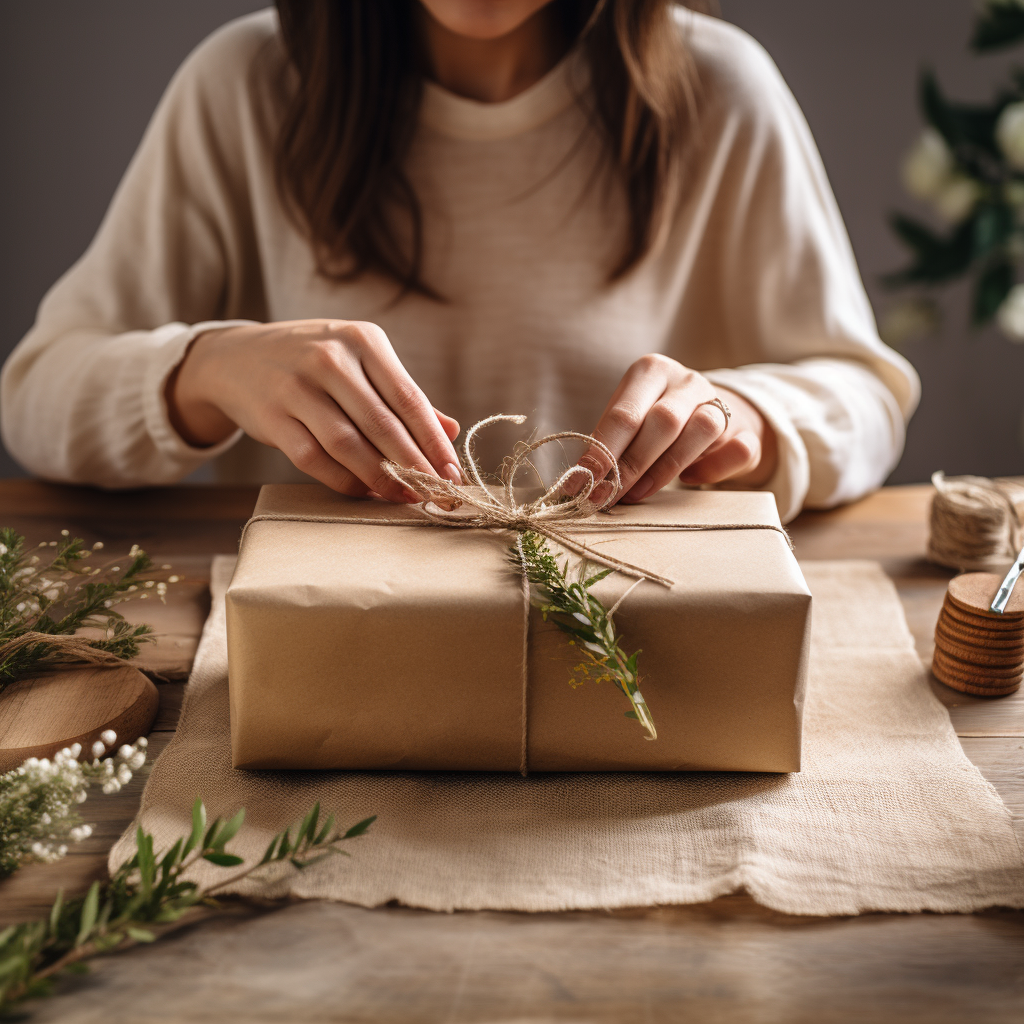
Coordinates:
975	522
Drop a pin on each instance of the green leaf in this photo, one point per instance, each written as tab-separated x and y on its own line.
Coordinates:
286	846
325	831
303	828
360	827
105	943
169	914
314	820
998	25
993	225
310	861
141	935
935	258
210	833
269	854
147	863
106	910
223	860
198	827
88	917
229	831
990	290
632	714
58	906
961	125
170	860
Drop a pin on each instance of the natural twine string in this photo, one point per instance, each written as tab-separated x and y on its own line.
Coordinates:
975	522
68	647
546	515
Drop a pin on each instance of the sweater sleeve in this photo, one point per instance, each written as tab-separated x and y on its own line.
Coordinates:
778	290
82	395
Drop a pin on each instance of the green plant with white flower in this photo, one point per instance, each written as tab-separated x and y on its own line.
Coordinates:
39	801
968	165
50	593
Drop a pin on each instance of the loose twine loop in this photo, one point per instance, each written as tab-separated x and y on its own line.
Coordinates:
553	514
975	522
443	500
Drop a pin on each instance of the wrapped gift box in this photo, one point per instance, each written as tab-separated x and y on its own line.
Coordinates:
356	643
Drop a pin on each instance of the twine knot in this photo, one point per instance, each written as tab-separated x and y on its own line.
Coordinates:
473	505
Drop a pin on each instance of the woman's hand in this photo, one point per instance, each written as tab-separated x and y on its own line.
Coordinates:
658	427
331	394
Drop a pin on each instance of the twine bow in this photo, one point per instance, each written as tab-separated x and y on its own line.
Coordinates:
444	501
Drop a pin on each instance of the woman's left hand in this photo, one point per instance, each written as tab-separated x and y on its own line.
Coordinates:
659	426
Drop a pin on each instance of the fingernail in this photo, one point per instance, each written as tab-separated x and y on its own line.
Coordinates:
640	489
453	473
573	485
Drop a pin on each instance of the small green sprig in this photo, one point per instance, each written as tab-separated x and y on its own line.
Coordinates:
571	606
147	892
56	591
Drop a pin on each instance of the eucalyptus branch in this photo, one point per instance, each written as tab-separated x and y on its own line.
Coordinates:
148	892
571	606
54	590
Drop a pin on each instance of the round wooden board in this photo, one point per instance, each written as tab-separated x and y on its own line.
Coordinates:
42	715
974	591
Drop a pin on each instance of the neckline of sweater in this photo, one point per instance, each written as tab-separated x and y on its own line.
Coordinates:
471	120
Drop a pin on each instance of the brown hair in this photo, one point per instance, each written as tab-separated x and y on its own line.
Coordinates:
352	114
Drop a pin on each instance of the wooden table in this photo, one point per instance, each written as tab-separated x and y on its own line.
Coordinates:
726	961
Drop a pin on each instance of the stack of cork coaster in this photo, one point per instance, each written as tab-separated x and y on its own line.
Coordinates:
977	650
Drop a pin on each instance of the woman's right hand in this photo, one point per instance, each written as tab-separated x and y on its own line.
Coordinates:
331	394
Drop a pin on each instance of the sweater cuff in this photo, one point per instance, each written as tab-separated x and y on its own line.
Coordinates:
171	342
792	477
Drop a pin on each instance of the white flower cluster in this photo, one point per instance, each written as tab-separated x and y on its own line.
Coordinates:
38	799
1010	135
1010	315
930	173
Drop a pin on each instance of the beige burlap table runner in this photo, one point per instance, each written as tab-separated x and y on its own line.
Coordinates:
888	813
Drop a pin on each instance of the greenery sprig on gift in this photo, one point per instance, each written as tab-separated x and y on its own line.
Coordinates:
39	799
149	892
968	164
55	591
569	604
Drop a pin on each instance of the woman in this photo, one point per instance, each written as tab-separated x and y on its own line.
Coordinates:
352	224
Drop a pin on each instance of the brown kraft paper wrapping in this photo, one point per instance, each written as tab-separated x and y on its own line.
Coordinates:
354	645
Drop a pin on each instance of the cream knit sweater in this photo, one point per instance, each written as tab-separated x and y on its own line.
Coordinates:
755	283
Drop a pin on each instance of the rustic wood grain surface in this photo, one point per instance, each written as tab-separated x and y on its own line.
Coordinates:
726	961
40	716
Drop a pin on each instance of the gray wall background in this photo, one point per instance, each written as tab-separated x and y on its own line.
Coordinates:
78	83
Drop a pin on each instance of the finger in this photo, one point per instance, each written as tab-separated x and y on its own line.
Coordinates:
739	455
307	454
448	425
675	432
339	438
408	404
642	386
351	393
700	432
